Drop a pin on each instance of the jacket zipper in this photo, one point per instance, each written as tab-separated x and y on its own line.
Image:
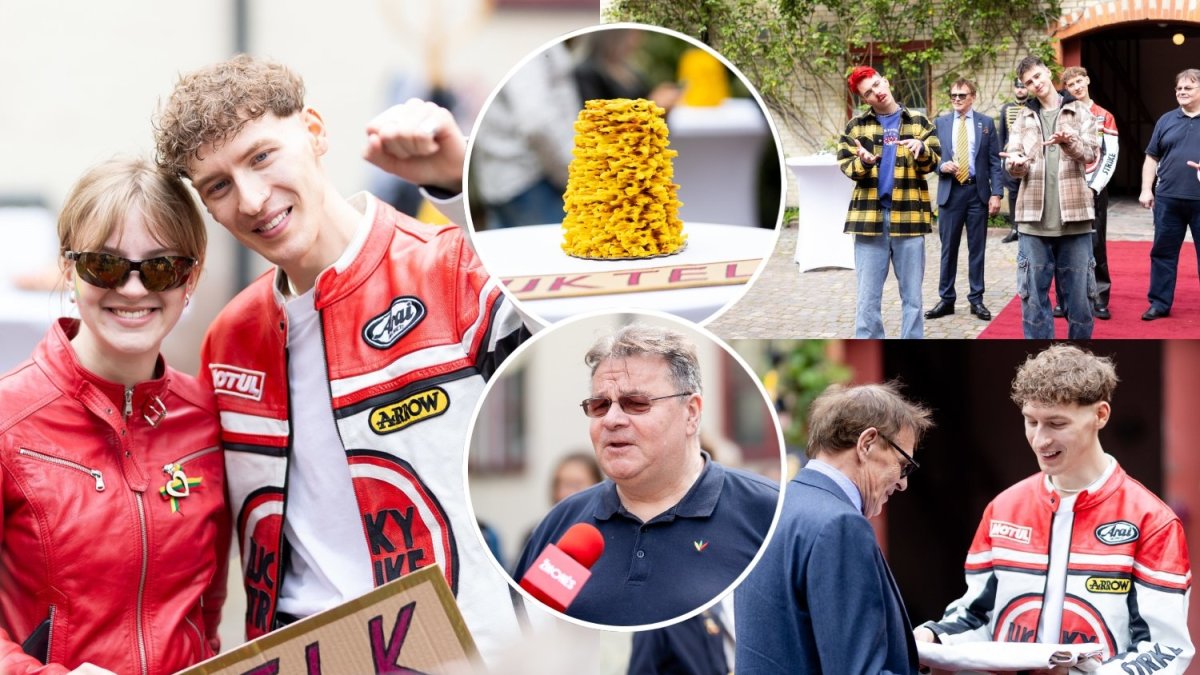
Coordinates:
128	402
94	473
169	468
141	636
199	637
50	633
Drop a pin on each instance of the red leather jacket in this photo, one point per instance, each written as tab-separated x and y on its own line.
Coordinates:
96	563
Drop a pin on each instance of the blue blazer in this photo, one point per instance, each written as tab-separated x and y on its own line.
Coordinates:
822	599
989	170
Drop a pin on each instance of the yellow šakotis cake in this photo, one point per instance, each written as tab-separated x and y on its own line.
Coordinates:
620	202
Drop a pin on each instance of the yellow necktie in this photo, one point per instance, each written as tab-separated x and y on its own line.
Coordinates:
961	157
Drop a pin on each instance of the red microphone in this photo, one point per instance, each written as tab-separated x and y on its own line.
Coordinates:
557	575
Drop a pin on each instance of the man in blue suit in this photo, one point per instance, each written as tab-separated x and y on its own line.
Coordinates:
969	189
822	599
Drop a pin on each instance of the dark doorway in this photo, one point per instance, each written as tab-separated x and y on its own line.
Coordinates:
1132	68
978	448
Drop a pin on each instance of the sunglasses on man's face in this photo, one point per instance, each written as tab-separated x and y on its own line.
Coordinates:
108	271
631	404
959	97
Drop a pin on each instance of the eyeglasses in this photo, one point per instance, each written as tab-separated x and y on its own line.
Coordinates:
1180	90
105	270
631	404
959	97
910	465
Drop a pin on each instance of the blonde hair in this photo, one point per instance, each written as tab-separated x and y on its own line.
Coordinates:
1072	73
104	196
1064	374
211	105
840	414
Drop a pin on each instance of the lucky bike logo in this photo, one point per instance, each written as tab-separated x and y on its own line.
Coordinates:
234	381
1018	619
1117	532
1003	530
406	527
1108	585
567	581
416	408
384	330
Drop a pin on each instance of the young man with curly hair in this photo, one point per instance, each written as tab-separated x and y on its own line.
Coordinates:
1051	143
1080	551
347	374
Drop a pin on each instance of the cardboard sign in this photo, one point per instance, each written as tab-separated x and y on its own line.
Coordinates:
666	278
411	625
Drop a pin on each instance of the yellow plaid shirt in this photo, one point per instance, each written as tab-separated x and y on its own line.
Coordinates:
911	213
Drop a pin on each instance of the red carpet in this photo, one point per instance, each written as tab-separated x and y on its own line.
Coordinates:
1129	266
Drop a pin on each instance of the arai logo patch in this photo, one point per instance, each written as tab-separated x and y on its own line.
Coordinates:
1117	532
383	331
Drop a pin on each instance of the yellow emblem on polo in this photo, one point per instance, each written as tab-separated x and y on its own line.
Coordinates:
416	408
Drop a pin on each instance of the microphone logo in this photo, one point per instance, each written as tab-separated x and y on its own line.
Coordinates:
558	575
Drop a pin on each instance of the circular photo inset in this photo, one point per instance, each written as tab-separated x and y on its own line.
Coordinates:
624	165
624	469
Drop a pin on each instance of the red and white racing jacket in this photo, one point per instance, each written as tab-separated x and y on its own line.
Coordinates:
1128	578
412	328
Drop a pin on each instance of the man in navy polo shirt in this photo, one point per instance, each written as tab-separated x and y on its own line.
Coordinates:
822	599
678	527
1171	156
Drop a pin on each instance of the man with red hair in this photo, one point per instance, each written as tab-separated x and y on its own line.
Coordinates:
887	150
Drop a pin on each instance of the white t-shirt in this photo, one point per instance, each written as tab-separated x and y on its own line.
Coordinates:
329	562
1050	623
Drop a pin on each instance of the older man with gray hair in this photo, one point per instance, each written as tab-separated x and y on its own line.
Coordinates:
822	599
678	527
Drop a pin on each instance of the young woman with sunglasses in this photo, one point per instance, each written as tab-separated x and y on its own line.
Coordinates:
114	533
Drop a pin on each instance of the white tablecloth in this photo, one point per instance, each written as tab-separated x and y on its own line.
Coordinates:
717	167
524	251
824	196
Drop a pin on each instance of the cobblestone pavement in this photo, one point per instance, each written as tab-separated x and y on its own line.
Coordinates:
787	303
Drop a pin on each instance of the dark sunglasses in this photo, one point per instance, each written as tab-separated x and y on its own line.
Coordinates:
910	465
105	270
959	97
631	404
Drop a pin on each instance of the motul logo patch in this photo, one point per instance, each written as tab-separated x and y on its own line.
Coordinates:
234	381
385	330
1003	530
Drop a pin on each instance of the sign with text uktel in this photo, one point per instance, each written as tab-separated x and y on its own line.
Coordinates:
577	284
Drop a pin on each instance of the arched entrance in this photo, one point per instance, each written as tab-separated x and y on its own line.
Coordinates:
1132	57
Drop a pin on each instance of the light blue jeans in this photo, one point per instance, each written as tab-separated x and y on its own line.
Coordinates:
1068	261
871	257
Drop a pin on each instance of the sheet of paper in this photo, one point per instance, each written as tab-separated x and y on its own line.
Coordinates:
1008	656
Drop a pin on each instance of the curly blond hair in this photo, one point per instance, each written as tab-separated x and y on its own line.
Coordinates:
1064	374
211	105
